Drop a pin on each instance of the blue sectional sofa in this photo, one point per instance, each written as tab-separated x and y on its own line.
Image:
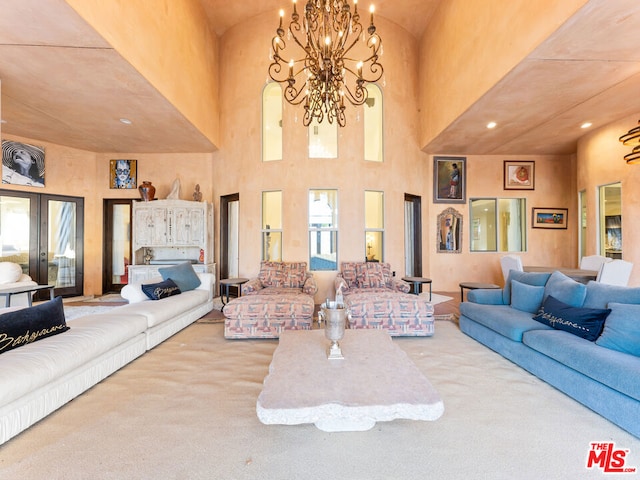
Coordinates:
585	341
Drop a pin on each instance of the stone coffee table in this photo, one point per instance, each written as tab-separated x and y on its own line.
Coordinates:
375	382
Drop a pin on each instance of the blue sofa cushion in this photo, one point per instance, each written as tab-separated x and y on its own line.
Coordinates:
526	297
488	296
28	325
182	274
565	289
617	370
599	295
583	322
503	319
622	329
160	290
530	278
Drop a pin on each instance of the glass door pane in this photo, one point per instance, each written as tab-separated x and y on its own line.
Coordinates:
120	244
15	214
61	244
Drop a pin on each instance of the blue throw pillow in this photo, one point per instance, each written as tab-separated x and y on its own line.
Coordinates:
566	289
530	278
622	329
526	298
183	274
158	291
583	322
27	325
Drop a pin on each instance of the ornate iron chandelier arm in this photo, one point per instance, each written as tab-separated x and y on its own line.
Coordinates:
358	96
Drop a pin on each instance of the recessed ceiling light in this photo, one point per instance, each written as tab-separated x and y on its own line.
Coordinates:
491	125
126	121
586	125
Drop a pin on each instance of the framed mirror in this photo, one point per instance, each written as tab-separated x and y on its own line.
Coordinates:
449	231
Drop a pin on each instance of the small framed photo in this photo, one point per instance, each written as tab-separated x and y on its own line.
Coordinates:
519	175
123	174
554	218
449	179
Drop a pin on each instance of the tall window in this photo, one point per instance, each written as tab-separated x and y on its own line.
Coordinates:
272	226
373	146
610	220
272	122
374	226
323	229
323	139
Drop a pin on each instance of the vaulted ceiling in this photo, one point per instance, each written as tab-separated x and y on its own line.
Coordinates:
62	83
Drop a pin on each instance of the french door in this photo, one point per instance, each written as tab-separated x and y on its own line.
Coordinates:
117	244
44	235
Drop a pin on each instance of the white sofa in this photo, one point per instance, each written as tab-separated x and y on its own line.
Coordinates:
40	377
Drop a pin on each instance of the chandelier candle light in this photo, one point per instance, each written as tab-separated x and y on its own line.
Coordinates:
326	34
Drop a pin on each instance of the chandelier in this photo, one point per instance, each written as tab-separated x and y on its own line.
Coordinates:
326	34
632	137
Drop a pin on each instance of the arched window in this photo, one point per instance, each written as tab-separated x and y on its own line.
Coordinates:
373	127
272	122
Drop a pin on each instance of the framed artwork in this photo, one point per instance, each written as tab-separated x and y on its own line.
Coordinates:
519	175
449	231
449	179
22	164
554	218
123	174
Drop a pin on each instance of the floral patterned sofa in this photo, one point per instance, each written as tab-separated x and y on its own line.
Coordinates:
376	299
279	298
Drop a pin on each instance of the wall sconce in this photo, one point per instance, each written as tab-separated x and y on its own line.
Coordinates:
632	137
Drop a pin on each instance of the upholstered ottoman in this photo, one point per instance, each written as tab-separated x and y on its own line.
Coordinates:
267	315
402	314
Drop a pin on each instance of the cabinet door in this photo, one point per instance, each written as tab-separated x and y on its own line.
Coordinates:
150	227
159	228
179	221
187	226
142	222
196	229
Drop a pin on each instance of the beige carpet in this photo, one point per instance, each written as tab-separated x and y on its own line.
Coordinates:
186	410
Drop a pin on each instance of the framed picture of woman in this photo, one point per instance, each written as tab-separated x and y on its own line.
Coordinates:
449	179
22	164
123	174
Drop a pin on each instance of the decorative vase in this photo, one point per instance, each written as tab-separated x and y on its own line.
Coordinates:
334	319
147	191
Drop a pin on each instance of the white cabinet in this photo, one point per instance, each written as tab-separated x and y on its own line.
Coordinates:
169	232
169	224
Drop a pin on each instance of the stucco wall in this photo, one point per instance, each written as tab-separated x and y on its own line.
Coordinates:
238	166
600	162
471	44
554	188
85	174
171	44
238	169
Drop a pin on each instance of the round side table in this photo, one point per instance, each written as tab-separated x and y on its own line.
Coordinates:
417	282
226	283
